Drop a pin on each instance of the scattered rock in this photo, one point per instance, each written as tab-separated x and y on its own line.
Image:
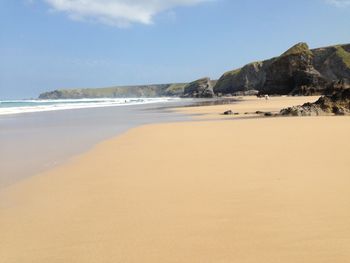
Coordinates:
268	114
229	112
337	103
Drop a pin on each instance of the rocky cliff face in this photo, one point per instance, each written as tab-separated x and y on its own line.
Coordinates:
250	77
202	88
297	71
293	73
333	62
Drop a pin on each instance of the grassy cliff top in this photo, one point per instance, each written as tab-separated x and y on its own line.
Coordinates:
297	49
226	78
176	89
232	72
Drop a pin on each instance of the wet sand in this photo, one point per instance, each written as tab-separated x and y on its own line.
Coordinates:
251	190
35	142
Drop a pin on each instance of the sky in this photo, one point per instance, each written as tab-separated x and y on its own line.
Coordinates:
53	44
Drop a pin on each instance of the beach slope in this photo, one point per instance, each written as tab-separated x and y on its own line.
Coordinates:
253	190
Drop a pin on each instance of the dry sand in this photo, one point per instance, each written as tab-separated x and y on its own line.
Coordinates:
258	190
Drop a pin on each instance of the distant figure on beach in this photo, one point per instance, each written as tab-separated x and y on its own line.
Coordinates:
267	97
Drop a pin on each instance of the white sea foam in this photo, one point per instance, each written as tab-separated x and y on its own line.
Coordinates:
26	106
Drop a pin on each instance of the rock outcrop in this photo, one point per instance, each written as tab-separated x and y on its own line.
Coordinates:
298	71
337	102
201	88
293	73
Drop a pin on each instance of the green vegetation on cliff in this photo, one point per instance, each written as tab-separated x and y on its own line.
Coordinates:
297	49
344	55
226	79
232	72
176	89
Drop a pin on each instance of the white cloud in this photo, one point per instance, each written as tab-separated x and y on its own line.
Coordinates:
339	3
117	12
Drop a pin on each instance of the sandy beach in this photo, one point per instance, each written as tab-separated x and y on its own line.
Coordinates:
250	190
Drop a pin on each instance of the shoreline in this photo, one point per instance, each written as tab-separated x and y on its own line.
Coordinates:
265	189
35	142
36	106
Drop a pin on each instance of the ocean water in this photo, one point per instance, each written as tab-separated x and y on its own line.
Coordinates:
25	106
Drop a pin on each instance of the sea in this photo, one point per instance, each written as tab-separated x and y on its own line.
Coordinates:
26	106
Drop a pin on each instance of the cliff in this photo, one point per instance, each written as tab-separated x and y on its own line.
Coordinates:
299	70
201	88
159	90
250	77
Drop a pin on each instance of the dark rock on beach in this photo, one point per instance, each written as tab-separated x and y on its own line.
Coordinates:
268	114
229	112
335	103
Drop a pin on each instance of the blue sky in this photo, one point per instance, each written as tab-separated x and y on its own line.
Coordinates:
50	44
